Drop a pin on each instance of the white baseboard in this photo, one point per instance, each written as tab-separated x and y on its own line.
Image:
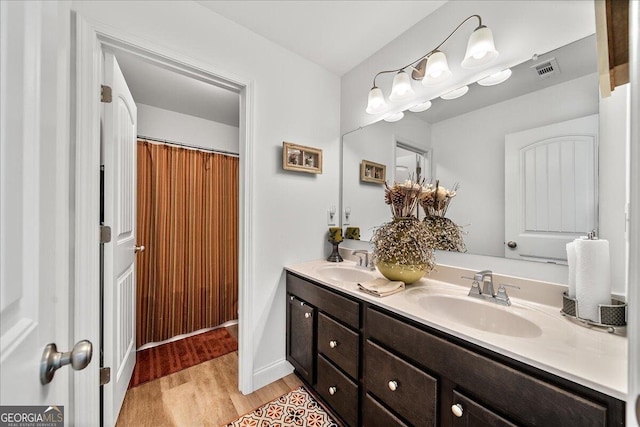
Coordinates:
271	373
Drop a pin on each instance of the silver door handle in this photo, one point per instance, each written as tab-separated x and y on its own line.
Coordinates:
52	359
137	249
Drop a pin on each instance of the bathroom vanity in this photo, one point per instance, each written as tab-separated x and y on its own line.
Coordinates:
413	358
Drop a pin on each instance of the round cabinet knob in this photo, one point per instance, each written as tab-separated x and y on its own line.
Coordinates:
332	390
291	298
137	249
307	315
393	385
457	410
333	343
512	244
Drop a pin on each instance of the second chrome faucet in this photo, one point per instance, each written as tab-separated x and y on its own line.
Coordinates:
485	277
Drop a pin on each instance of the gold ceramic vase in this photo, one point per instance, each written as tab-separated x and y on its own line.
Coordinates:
401	250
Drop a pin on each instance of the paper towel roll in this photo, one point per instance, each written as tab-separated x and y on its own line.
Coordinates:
571	261
593	277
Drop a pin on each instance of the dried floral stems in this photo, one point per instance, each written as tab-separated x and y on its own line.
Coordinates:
403	198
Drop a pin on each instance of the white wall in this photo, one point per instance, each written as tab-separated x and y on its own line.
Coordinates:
295	100
479	206
163	124
375	143
612	192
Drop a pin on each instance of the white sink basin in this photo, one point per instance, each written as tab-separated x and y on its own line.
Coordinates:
345	273
481	315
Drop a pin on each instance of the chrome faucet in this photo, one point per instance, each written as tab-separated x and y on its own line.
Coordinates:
486	277
486	293
364	264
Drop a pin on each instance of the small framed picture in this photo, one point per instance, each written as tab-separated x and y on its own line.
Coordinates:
300	158
373	172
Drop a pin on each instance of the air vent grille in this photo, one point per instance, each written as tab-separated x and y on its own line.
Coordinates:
547	68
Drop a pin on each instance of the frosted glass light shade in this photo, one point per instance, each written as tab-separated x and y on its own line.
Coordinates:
480	50
437	69
423	106
456	93
401	88
394	117
496	78
376	103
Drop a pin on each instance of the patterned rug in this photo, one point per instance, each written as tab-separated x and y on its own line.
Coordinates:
294	409
166	359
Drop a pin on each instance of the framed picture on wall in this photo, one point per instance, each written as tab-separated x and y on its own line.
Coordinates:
300	158
373	172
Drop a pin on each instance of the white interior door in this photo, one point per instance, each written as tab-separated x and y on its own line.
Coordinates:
550	188
119	160
34	202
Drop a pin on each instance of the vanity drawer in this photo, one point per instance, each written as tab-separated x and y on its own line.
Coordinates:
375	415
339	344
402	386
343	309
471	413
532	401
344	399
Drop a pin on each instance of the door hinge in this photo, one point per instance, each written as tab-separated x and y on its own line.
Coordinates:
105	234
105	94
105	376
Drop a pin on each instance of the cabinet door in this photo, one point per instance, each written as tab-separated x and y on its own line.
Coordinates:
301	338
467	413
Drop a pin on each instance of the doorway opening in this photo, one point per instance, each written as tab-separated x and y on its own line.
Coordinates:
168	117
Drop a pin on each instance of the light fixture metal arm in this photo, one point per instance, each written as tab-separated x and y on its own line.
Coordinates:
431	51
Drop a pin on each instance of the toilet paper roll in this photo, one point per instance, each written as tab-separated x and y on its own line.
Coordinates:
571	261
593	277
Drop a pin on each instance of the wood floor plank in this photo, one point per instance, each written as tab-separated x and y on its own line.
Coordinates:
203	395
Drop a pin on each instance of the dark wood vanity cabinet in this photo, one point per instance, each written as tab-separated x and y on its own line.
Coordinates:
301	347
376	368
326	351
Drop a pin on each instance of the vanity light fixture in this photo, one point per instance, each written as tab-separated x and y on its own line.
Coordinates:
401	88
433	68
496	78
456	93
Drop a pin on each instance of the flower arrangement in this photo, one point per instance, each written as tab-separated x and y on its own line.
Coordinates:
444	234
402	249
435	199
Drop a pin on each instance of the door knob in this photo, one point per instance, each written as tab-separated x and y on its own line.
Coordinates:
52	359
512	244
137	249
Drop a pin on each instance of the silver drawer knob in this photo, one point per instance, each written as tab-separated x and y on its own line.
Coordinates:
307	315
333	343
457	410
393	385
292	298
332	390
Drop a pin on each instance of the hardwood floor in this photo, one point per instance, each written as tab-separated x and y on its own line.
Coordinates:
203	395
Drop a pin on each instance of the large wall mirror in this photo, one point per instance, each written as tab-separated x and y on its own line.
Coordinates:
464	140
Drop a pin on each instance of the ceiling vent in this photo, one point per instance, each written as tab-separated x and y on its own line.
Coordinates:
547	68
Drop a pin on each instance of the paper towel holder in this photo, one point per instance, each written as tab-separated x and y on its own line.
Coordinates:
611	316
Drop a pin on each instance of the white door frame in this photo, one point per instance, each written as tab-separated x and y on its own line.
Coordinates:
633	225
86	80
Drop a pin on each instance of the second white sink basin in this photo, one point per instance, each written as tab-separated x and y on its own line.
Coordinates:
345	273
481	315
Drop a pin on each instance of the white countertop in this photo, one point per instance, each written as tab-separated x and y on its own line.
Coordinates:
590	357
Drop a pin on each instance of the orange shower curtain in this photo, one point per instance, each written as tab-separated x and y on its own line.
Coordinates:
187	276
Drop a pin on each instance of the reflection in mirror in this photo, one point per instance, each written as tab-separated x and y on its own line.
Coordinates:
376	143
412	164
467	139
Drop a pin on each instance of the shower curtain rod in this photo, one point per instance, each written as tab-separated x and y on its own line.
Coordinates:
192	147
